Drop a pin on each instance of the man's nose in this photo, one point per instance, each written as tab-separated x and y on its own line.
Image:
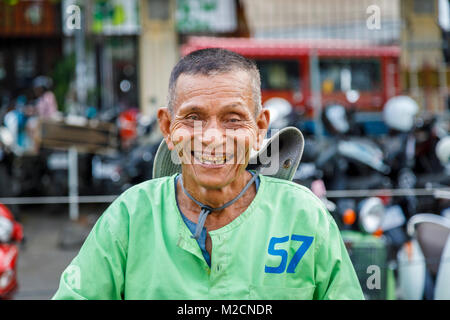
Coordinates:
212	134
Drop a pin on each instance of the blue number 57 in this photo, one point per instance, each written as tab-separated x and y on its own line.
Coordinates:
306	243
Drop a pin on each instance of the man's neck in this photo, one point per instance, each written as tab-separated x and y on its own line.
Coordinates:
216	198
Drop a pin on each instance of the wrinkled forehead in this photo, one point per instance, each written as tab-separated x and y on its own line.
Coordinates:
217	89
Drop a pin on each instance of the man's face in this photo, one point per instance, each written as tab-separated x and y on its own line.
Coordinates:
213	126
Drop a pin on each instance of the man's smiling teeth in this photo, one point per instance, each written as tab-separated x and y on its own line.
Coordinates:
209	159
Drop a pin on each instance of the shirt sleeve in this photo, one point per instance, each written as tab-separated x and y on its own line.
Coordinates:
97	272
336	278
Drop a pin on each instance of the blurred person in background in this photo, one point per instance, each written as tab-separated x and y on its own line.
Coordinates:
15	121
45	107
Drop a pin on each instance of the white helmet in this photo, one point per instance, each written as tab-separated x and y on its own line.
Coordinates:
399	113
6	137
337	118
279	109
443	150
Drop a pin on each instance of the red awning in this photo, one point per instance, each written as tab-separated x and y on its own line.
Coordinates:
279	47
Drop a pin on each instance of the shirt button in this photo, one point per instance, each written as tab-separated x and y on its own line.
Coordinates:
218	268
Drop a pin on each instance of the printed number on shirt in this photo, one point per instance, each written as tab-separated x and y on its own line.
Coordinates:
272	250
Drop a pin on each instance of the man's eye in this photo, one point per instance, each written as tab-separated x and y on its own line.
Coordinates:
192	117
234	120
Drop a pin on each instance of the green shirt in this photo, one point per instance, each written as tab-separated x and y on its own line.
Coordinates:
285	245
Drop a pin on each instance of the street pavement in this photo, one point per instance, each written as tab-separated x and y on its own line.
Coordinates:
51	242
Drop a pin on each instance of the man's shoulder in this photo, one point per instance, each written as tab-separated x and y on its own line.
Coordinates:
291	189
145	195
297	200
141	201
155	183
149	187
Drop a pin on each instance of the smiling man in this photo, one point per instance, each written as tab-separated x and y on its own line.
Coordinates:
215	230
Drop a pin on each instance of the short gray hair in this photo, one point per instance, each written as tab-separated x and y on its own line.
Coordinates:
214	61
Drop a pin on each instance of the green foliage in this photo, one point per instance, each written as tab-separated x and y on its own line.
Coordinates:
14	2
186	20
11	2
62	76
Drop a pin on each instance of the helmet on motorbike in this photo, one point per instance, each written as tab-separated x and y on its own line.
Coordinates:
279	109
335	119
399	113
371	214
9	228
443	150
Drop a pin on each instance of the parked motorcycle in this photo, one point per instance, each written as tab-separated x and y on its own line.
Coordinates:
344	161
112	174
11	233
424	261
26	173
409	151
347	163
7	186
361	224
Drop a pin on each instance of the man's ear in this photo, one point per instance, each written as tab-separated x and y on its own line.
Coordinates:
262	122
164	121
